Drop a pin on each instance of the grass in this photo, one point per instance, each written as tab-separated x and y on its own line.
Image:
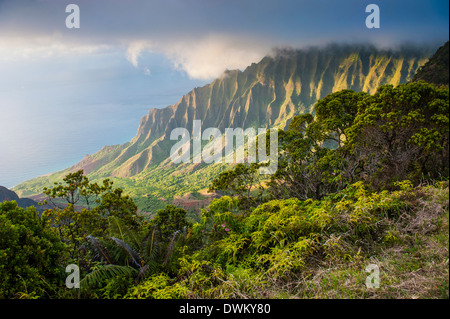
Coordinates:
414	267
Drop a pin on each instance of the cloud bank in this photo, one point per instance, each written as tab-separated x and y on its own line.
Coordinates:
204	37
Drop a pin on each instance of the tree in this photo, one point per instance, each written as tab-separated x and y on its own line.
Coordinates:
89	209
402	133
170	220
299	149
313	159
76	189
31	254
243	182
336	112
167	231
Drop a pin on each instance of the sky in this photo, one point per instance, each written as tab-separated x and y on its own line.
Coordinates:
67	92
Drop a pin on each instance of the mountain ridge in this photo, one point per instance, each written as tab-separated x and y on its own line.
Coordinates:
436	70
266	94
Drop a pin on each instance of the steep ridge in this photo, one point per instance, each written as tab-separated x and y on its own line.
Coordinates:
436	70
265	94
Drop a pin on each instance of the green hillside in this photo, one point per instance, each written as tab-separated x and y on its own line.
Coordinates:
436	70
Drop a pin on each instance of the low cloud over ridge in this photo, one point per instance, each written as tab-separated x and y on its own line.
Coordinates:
201	38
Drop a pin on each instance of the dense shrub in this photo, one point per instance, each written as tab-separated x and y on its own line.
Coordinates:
30	254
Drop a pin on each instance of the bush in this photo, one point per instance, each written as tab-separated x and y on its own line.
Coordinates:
30	254
157	287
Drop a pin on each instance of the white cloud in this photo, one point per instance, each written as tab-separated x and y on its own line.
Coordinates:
203	58
208	57
135	49
200	56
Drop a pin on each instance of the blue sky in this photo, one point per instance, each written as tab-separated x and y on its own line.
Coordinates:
65	92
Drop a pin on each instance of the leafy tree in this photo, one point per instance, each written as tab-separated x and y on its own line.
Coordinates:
90	209
114	245
242	181
293	176
170	220
335	113
30	254
402	133
76	188
114	204
313	153
398	133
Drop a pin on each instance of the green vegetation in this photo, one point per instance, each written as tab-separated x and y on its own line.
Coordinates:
364	181
436	70
31	254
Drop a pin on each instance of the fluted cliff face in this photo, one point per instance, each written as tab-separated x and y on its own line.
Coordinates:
265	94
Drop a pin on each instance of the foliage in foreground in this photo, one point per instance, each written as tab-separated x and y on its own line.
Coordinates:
309	249
31	254
283	249
349	191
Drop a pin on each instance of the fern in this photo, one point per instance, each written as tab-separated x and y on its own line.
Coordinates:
101	275
100	248
150	245
135	257
170	248
119	230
